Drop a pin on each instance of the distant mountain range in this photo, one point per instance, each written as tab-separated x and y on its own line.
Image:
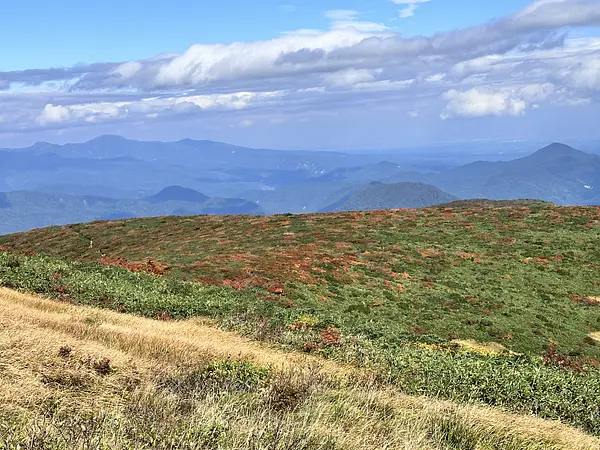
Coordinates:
556	173
22	210
117	167
112	177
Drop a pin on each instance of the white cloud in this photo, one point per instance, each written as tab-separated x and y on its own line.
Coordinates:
128	69
502	68
435	77
54	114
480	102
502	101
584	75
349	77
349	18
410	8
152	107
202	64
554	13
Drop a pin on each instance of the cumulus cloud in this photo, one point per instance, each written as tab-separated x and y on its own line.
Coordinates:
351	44
480	102
501	68
557	13
152	107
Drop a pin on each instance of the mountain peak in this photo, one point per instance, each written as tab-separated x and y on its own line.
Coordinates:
557	149
109	138
178	193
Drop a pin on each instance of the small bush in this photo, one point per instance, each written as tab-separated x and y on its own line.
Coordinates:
65	351
220	376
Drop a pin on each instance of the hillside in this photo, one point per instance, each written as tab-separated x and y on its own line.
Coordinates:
394	196
487	203
116	381
496	305
438	259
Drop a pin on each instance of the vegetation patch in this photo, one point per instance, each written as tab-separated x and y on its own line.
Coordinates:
401	293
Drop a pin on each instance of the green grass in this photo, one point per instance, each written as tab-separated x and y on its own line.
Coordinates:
387	290
430	367
519	276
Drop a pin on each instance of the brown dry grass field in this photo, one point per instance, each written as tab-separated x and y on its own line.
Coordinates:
74	377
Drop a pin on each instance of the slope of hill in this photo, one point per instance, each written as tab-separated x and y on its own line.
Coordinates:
394	196
117	381
487	203
413	295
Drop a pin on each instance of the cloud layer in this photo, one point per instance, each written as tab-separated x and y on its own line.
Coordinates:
508	67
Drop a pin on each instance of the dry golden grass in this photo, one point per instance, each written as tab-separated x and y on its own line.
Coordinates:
484	348
353	414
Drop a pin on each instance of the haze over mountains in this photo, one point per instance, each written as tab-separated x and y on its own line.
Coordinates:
112	177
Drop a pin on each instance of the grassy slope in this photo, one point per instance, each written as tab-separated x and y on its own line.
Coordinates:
520	276
382	290
78	377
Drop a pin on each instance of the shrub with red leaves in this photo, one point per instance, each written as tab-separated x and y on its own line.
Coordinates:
331	336
310	346
150	266
554	358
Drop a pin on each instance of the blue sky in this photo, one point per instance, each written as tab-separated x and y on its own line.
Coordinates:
293	74
71	31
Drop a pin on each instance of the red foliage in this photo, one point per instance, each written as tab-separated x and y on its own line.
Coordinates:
150	266
277	290
310	346
62	290
554	358
331	336
165	317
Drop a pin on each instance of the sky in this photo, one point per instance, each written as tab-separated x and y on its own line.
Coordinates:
309	74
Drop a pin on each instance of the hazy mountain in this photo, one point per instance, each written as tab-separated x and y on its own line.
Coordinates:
112	167
204	154
178	194
556	173
23	210
124	168
394	196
